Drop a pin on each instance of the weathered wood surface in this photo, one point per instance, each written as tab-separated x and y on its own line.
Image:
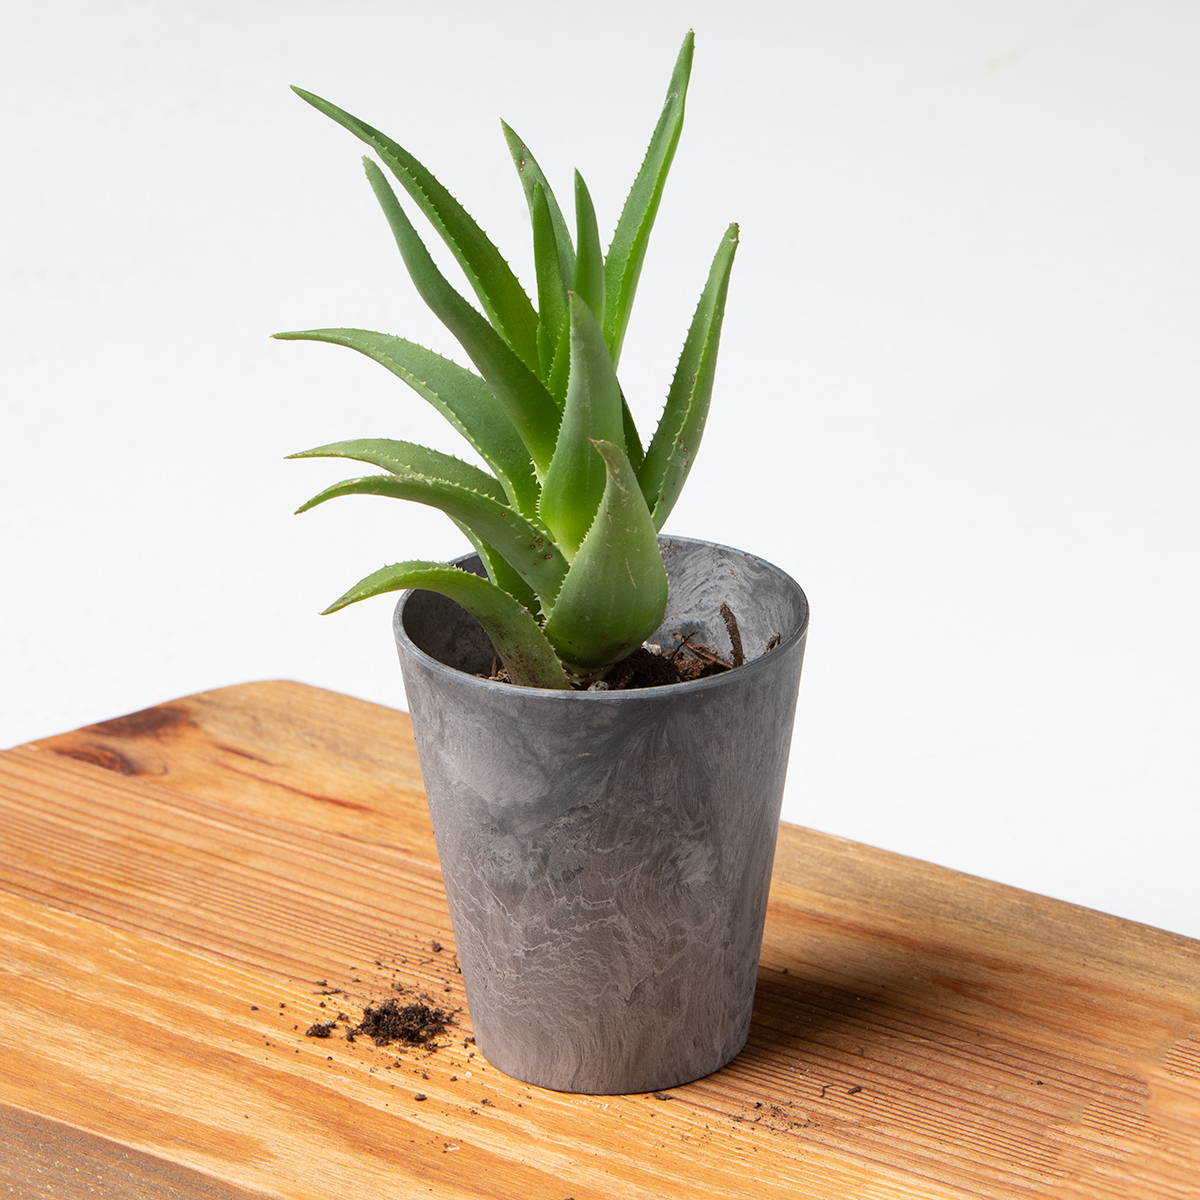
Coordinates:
171	880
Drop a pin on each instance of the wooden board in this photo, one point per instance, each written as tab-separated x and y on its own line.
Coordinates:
178	887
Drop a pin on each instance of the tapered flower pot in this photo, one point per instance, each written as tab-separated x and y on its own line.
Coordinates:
607	855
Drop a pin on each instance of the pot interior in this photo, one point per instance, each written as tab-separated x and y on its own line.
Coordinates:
702	576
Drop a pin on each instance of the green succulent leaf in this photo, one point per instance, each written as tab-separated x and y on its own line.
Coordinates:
633	442
589	260
615	593
626	253
576	477
552	298
498	289
499	571
527	549
532	178
406	458
560	365
673	448
459	395
523	394
519	642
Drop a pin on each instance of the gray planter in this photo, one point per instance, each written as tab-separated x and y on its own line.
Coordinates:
607	854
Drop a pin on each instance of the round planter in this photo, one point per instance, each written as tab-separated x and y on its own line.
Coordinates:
607	855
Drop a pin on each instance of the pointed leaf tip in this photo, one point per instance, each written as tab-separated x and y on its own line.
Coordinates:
407	459
549	226
574	482
588	280
612	455
460	396
492	279
524	396
538	561
514	633
673	448
627	250
687	47
615	593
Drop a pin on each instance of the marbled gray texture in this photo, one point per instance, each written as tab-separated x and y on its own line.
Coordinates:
607	854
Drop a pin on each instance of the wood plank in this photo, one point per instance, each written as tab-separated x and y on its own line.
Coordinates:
109	1040
281	749
917	1033
47	1160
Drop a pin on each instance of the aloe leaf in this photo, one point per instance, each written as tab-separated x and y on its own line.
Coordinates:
589	260
615	593
499	571
459	395
556	381
552	298
633	442
673	448
532	177
492	279
626	253
406	458
526	547
520	644
525	397
575	480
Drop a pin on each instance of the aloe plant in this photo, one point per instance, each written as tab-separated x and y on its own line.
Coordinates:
565	517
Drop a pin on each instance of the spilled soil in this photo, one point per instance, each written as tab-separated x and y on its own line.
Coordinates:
415	1024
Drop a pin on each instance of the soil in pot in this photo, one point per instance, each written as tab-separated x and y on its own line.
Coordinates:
657	666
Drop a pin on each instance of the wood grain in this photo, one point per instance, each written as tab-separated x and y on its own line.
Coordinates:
47	1160
172	878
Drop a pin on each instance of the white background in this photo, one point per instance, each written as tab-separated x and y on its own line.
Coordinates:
957	398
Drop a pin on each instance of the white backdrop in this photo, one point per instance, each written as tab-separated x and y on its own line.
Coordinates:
957	396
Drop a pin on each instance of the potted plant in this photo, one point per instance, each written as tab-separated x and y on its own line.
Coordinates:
604	779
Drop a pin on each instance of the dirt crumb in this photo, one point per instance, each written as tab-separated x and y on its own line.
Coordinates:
410	1024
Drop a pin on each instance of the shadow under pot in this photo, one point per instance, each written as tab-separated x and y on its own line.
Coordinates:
607	854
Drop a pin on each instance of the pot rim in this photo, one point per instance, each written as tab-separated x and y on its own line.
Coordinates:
762	662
